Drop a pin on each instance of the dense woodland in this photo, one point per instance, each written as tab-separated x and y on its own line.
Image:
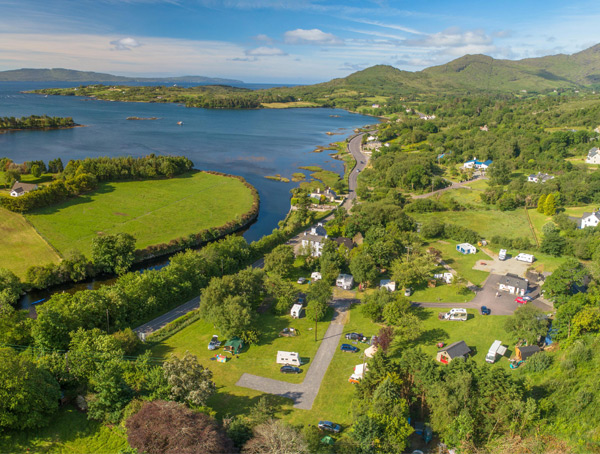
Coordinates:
36	122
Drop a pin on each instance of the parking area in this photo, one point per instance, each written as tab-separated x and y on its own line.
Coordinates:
496	266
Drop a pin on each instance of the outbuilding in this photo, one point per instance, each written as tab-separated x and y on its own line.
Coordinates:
522	353
458	349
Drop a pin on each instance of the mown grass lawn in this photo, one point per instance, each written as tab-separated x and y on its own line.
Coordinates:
20	245
463	264
487	223
153	211
69	432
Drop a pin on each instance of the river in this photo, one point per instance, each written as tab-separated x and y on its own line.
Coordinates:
250	143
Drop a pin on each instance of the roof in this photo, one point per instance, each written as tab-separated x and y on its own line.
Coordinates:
345	278
23	187
314	238
487	162
593	152
528	351
318	230
512	280
456	349
345	241
234	342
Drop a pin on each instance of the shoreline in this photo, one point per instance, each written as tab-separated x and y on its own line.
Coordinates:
6	131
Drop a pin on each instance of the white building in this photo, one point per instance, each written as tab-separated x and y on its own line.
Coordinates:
513	284
20	189
479	165
313	240
345	281
589	220
539	177
593	156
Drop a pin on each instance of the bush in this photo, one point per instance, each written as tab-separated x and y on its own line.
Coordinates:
424	206
539	362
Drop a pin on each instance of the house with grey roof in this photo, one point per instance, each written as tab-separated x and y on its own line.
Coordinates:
593	156
449	353
313	240
20	189
588	219
539	177
513	284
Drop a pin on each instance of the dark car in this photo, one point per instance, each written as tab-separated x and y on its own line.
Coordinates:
485	310
348	348
329	426
290	370
354	336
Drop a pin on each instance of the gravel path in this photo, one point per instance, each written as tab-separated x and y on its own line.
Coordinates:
304	394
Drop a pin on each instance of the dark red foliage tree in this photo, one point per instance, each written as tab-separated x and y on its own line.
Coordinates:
171	428
385	337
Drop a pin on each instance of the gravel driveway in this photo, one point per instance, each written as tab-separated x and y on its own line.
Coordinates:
304	394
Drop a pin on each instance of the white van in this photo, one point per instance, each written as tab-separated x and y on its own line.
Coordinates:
288	358
502	254
525	258
456	314
496	349
296	311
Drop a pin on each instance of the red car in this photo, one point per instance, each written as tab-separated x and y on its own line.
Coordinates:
520	300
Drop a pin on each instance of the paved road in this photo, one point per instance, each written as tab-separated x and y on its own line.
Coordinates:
305	393
161	321
354	147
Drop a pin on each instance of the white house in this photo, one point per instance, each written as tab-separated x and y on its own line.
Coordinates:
313	240
539	177
513	284
328	193
589	220
388	284
479	165
345	281
593	156
466	248
20	189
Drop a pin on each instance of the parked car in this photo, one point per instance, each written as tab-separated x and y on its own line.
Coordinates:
301	280
354	336
329	426
214	343
408	291
527	298
520	300
290	370
348	348
485	310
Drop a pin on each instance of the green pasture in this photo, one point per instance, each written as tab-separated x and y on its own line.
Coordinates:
463	264
20	245
153	211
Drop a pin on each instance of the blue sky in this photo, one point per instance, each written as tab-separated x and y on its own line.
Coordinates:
286	41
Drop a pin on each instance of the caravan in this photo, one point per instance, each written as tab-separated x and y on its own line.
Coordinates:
496	349
288	358
502	254
296	311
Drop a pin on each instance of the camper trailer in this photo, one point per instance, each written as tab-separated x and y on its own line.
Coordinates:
496	349
502	254
359	373
289	358
296	311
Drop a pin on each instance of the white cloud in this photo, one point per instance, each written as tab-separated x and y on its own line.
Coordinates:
390	26
125	44
264	51
452	37
313	36
263	38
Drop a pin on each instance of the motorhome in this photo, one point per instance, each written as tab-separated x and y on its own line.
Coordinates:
496	349
455	314
502	254
525	258
289	358
296	311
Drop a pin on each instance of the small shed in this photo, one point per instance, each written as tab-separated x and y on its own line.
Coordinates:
234	345
523	353
466	248
458	349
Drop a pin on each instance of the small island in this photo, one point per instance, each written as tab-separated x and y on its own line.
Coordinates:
35	122
142	118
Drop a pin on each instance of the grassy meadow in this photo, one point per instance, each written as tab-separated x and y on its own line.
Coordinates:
20	245
153	211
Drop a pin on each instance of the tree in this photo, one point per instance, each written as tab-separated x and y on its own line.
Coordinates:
385	336
111	393
284	292
374	303
318	296
528	323
363	268
28	395
499	173
553	244
560	285
190	382
280	260
412	271
161	427
10	288
541	204
276	437
113	253
36	171
396	309
550	205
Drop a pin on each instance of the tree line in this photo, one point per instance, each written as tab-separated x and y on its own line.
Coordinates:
36	122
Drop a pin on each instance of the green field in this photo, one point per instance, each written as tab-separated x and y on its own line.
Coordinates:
69	432
153	211
463	264
20	245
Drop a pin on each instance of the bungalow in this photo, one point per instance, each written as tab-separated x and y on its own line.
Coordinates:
387	284
451	352
345	281
589	219
593	156
466	248
313	240
328	194
513	284
539	177
479	165
20	189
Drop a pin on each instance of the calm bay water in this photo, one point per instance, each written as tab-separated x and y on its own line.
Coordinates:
250	143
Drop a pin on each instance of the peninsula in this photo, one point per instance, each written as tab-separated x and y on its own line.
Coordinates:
35	122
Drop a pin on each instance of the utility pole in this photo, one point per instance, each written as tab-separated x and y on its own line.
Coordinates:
107	325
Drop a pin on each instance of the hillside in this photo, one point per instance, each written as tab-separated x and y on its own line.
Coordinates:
70	75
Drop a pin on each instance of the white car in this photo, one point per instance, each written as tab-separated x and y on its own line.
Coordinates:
301	280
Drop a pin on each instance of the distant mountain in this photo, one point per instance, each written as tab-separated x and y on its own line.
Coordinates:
480	73
70	75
